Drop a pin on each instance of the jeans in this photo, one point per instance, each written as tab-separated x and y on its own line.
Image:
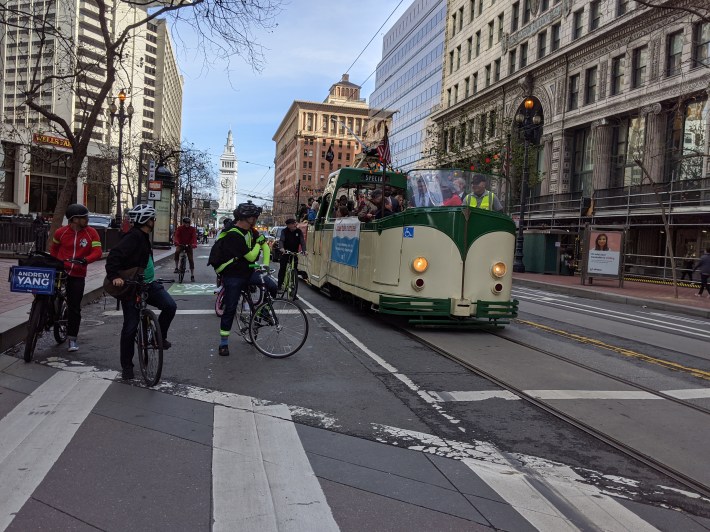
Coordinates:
159	298
704	283
75	293
190	258
232	290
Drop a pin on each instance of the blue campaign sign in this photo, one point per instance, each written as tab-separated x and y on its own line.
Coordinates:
408	232
32	280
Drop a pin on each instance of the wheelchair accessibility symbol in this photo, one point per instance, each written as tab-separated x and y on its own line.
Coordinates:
408	232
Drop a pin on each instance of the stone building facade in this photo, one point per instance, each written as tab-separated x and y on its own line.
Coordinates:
621	91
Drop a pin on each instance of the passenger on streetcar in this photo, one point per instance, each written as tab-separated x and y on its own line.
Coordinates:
369	210
480	197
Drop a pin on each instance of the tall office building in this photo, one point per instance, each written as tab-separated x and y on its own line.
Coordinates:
611	83
34	153
408	78
304	137
227	180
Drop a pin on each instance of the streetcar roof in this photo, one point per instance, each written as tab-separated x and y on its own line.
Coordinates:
364	176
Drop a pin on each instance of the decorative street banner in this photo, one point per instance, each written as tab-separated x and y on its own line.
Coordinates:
32	280
604	257
346	241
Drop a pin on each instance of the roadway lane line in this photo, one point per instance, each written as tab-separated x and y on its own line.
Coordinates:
36	432
635	395
261	477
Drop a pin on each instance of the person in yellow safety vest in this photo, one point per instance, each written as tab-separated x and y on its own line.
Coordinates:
480	197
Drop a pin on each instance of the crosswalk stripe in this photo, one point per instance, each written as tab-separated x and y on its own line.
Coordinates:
36	432
261	476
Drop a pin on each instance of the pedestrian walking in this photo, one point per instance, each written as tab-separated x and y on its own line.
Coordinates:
704	266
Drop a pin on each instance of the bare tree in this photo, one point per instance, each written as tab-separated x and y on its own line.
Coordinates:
697	8
89	68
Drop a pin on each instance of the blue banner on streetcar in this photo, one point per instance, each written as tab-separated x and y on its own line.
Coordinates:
346	242
32	280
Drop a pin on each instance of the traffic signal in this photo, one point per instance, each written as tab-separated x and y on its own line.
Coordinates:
214	213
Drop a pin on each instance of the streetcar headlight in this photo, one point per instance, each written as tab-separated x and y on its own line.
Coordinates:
420	264
498	270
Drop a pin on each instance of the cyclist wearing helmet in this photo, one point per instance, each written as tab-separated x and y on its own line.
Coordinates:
75	241
134	251
185	235
243	244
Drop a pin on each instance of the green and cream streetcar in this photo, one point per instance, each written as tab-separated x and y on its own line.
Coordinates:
441	264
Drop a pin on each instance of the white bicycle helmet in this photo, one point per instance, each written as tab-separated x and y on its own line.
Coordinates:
141	214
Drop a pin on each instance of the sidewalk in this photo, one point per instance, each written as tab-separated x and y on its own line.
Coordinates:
651	295
15	307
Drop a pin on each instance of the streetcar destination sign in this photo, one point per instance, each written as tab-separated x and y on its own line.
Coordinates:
375	178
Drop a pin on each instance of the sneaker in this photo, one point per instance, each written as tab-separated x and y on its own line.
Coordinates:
192	278
127	374
73	346
224	350
166	344
698	295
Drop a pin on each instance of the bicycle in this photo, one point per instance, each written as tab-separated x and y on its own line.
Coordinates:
290	283
182	262
278	328
49	307
149	337
256	294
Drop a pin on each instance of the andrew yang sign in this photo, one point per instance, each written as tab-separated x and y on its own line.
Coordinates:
32	280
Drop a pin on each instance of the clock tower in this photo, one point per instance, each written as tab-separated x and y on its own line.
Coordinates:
227	180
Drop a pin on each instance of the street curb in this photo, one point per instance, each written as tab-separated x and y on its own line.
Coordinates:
614	298
17	333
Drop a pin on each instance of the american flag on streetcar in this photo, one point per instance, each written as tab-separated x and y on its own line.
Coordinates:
383	150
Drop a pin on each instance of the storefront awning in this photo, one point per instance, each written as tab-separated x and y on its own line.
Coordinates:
6	205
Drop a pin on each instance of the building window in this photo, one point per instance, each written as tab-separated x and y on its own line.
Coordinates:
478	43
590	86
526	11
572	102
490	34
674	50
480	6
639	66
472	6
523	55
496	70
686	136
555	37
469	49
460	19
475	83
488	75
448	97
583	161
453	24
577	24
458	57
512	57
544	5
595	14
618	65
500	27
701	44
622	6
468	88
627	145
451	62
541	44
456	93
514	18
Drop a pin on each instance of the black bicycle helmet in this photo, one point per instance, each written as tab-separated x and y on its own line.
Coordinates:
76	209
246	210
186	220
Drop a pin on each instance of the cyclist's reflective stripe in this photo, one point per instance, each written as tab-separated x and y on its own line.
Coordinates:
96	244
223	333
36	432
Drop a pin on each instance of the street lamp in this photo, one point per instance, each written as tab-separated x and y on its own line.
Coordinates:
120	113
528	121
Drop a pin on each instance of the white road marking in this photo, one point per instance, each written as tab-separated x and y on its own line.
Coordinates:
36	432
261	476
619	315
470	396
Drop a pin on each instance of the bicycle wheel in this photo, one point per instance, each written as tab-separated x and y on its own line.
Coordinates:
150	348
279	328
219	303
243	317
60	320
181	268
35	326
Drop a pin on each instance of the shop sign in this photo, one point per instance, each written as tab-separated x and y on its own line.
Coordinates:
39	138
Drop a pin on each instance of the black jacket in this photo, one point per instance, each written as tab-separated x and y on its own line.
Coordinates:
133	250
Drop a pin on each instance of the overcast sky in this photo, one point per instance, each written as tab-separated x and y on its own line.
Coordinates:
314	44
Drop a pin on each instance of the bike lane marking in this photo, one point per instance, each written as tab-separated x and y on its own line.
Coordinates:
35	433
192	289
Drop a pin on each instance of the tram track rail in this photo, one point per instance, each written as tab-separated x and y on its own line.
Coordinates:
656	465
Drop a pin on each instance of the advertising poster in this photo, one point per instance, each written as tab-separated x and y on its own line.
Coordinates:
346	241
161	231
604	255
